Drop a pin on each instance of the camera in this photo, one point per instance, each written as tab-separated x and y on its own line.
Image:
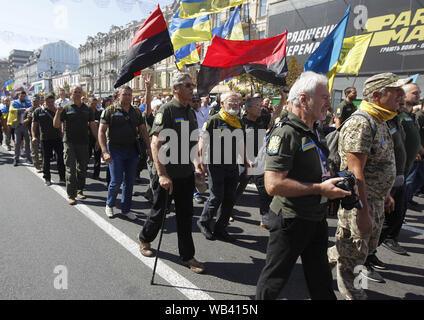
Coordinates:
348	183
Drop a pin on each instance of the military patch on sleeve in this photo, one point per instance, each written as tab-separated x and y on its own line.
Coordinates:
273	145
158	119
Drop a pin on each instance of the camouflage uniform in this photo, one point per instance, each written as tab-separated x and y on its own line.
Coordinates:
352	247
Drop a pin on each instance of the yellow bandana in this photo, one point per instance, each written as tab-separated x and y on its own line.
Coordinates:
230	119
376	111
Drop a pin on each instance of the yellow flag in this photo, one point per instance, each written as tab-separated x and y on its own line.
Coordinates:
351	57
196	8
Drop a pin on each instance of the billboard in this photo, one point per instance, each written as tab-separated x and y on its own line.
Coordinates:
397	28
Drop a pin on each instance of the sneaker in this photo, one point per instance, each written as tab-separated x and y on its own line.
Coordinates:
394	246
204	229
71	201
47	182
223	235
194	265
199	200
145	248
130	215
109	211
372	275
81	196
376	263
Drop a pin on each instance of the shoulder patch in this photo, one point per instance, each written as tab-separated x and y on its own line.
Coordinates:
158	119
273	145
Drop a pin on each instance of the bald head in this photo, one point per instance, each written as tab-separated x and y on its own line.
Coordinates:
412	94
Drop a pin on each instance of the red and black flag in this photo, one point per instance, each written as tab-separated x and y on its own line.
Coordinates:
150	44
264	59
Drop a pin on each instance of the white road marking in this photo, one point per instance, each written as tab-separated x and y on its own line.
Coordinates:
187	288
413	229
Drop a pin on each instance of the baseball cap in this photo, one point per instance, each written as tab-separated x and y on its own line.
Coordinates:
383	80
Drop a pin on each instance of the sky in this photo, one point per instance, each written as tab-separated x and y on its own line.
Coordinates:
28	24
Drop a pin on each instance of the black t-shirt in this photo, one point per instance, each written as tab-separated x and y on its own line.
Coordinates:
171	116
76	123
219	152
44	118
344	110
252	136
123	126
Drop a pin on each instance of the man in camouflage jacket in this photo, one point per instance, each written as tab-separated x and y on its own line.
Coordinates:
369	154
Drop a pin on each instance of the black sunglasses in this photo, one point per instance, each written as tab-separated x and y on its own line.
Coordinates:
189	85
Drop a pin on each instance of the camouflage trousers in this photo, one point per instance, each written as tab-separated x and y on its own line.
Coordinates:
352	249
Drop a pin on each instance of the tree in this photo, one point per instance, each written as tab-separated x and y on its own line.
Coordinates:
67	87
295	69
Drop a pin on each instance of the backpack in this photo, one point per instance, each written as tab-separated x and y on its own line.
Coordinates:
332	138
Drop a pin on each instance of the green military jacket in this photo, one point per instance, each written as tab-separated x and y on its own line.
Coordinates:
293	150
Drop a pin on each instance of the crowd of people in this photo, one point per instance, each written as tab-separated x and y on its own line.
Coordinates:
380	141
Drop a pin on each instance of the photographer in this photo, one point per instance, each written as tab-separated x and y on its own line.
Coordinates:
296	175
366	149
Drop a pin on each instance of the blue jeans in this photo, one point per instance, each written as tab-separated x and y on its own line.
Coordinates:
415	179
122	171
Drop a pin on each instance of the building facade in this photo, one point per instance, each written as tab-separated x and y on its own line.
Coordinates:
17	58
44	63
4	72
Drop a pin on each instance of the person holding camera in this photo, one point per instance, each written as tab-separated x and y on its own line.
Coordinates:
366	149
296	175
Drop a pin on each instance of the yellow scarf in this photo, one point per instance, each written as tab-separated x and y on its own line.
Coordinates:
230	119
376	111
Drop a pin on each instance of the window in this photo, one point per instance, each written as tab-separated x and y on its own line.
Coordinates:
262	8
261	34
246	12
218	20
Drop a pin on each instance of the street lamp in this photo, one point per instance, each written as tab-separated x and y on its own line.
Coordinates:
100	74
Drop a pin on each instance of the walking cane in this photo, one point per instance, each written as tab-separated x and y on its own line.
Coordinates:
165	211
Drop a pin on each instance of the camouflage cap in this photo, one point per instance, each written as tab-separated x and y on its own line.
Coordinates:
383	80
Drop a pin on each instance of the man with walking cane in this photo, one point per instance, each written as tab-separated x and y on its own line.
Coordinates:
174	180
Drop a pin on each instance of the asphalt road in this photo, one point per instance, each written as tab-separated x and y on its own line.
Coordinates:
50	250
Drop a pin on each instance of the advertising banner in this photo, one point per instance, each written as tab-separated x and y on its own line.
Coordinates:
397	28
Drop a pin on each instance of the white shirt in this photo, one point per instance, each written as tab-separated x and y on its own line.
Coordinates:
64	102
202	115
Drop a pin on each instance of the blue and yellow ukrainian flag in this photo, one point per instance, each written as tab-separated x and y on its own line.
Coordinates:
232	29
196	8
8	85
327	54
185	33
